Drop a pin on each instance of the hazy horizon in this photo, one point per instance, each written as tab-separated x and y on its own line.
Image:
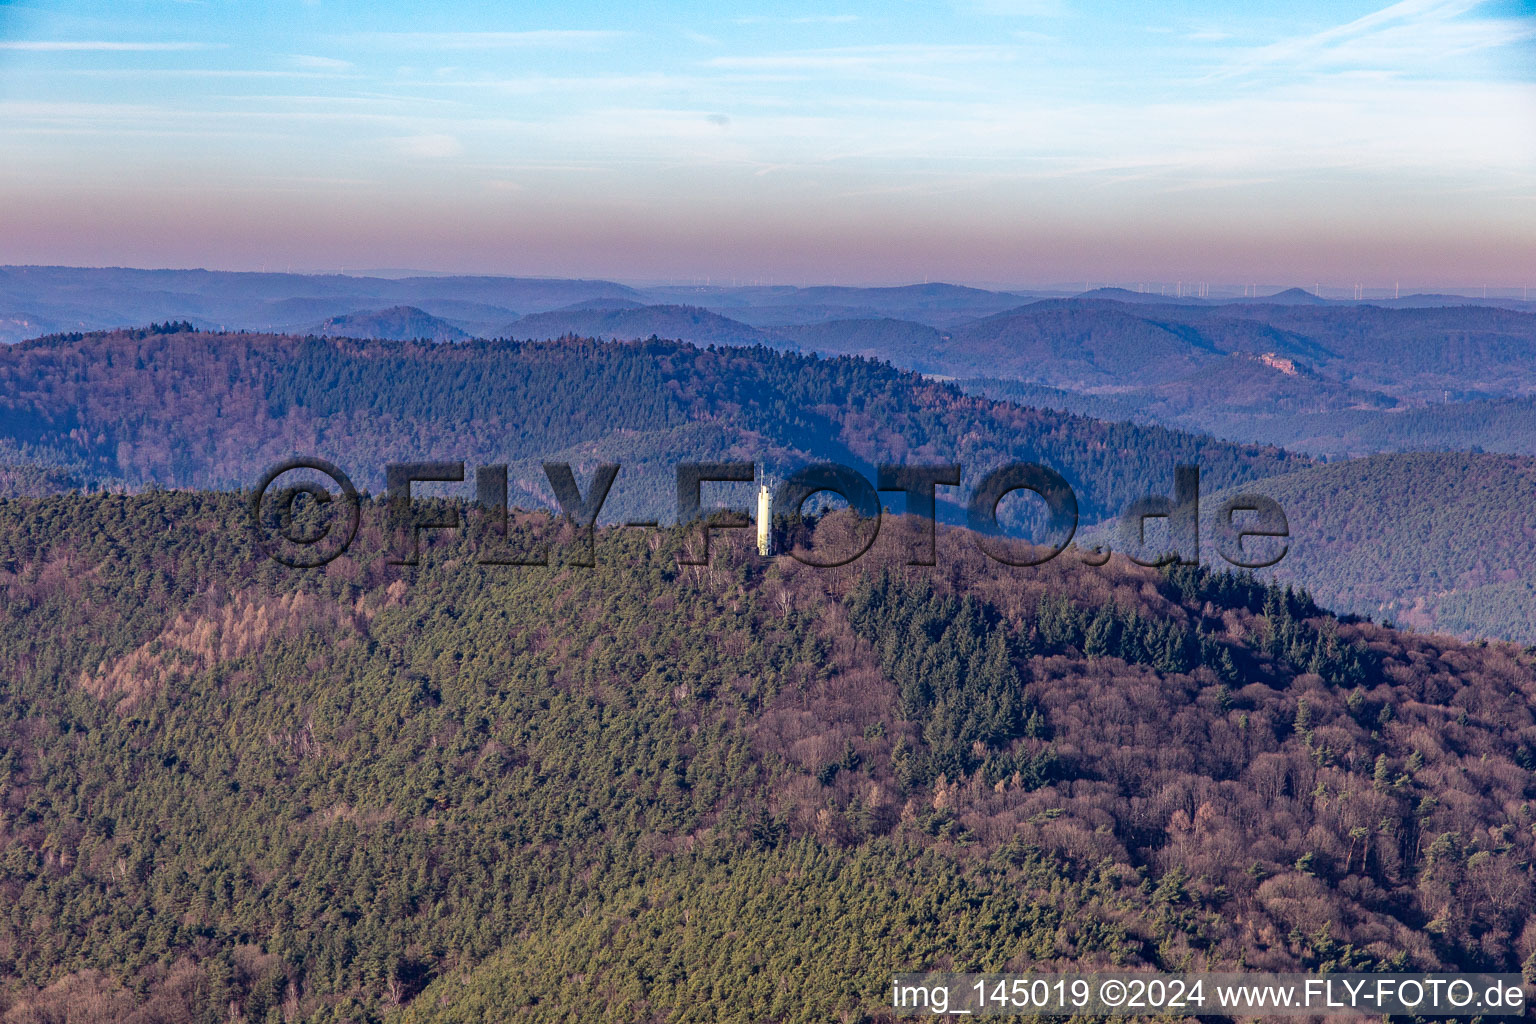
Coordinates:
973	141
1213	290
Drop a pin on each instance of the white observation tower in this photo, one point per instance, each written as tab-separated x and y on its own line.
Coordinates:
764	516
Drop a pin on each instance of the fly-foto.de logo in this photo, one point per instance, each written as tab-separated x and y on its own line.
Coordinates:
304	524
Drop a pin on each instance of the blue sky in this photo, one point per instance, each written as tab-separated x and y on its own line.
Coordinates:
989	141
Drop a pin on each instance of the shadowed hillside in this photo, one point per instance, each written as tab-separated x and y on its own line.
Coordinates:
633	323
398	323
173	407
394	793
1436	541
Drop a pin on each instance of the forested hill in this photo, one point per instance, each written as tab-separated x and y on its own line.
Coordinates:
1431	540
749	792
1101	345
179	408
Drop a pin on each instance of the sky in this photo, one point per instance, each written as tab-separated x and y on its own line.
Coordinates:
995	142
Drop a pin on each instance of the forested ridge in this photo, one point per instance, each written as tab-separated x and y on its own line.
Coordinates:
1505	425
1095	344
746	791
171	407
1432	540
1316	422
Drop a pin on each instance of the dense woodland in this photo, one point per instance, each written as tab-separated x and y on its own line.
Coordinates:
1438	542
175	408
1251	404
743	791
1087	344
1505	425
750	790
1432	541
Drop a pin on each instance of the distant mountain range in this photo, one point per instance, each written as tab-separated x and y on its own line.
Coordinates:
41	300
1378	376
72	298
633	322
1255	397
1288	297
398	323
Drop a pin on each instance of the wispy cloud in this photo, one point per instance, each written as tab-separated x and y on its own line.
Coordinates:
1410	36
128	74
864	57
60	109
965	111
320	63
551	38
95	45
809	19
580	89
1015	8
